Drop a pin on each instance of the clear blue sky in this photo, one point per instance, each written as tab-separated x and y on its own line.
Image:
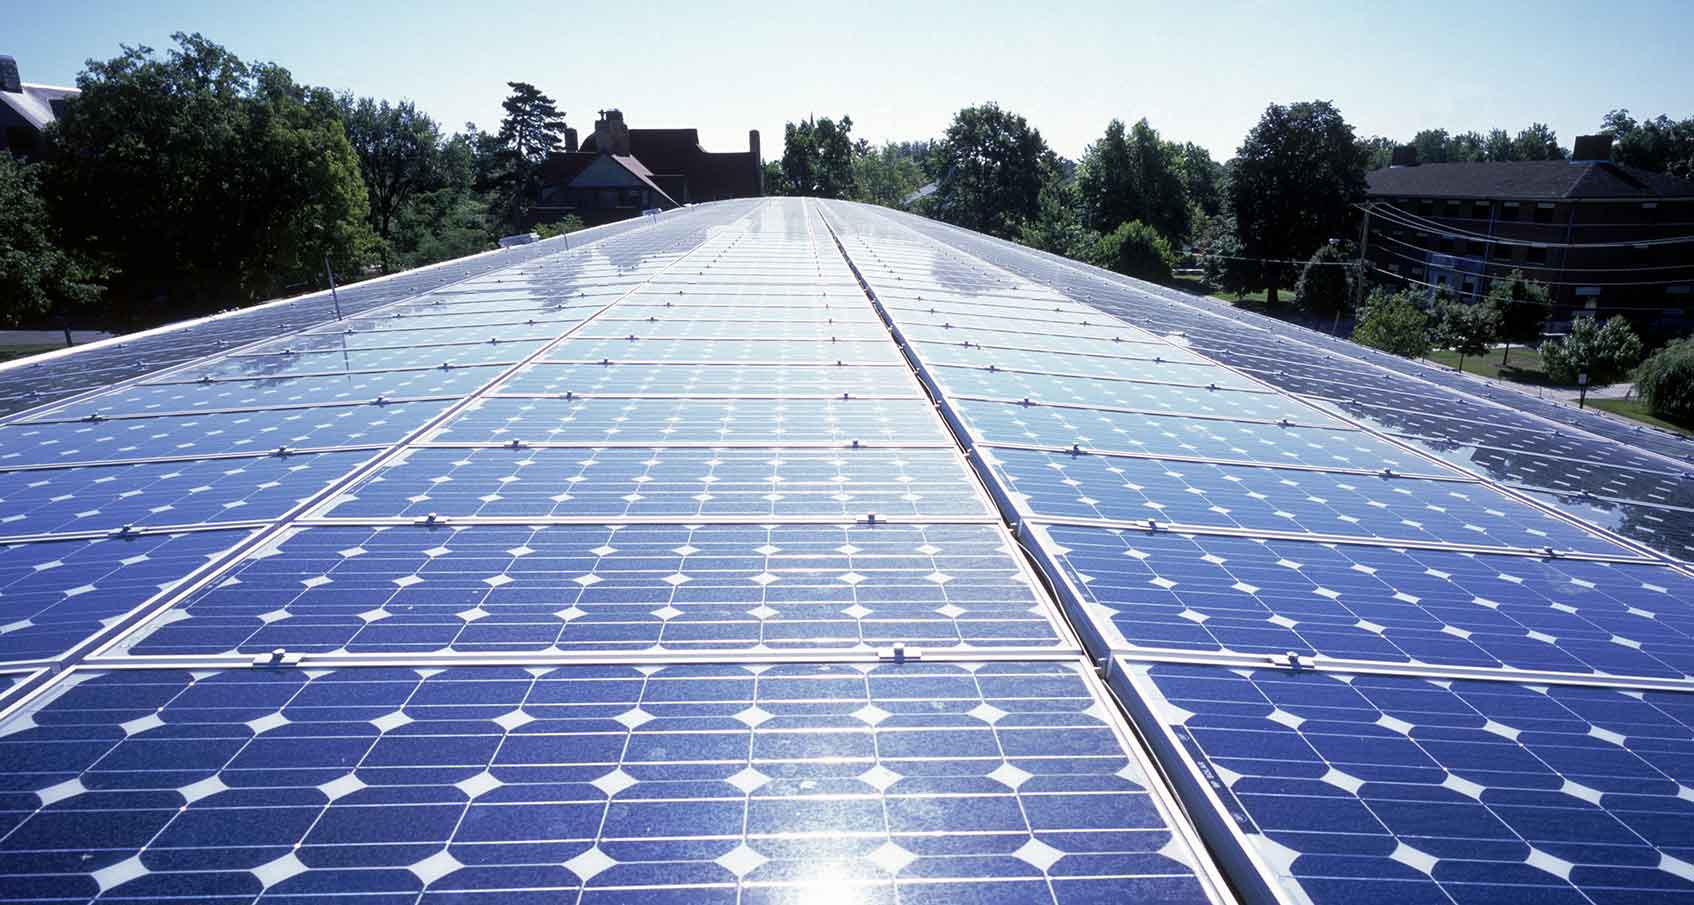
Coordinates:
1199	71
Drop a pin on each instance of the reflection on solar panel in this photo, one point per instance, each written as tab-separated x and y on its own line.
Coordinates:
645	570
1368	624
679	566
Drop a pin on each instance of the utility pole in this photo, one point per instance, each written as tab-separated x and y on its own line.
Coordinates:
1359	277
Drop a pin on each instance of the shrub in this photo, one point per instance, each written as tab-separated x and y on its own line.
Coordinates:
1393	322
1136	249
1666	381
1466	327
570	224
1605	352
1326	283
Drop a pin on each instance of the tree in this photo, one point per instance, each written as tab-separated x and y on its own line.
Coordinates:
1393	322
1465	327
1294	178
1666	382
532	128
1326	283
1523	310
775	182
570	224
1135	249
399	151
885	176
1057	226
205	181
1661	144
1202	179
1498	146
1605	352
1222	266
451	221
817	158
37	275
1538	142
989	171
1134	175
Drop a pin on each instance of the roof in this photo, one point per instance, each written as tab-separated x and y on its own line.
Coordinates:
674	560
1527	180
36	102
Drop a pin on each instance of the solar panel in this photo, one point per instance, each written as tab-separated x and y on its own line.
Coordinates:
647	569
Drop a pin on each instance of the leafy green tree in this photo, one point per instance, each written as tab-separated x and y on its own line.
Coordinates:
1135	249
1661	144
1465	327
1325	287
399	150
38	276
205	181
1293	180
533	127
1393	322
817	157
1665	381
1523	310
885	176
1538	142
1377	152
1202	179
989	169
1222	266
1057	227
1605	352
570	224
775	182
1497	146
1134	175
451	221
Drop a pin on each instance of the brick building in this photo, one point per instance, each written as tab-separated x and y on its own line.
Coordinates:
619	172
1595	232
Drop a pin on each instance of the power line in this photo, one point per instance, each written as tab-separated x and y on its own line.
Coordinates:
1414	221
1496	276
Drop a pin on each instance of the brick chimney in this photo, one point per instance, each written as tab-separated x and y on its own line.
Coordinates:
1592	149
611	136
570	140
9	80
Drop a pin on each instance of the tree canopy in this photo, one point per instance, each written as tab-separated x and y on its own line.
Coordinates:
1293	180
37	275
817	158
205	180
1660	144
1134	175
990	166
399	150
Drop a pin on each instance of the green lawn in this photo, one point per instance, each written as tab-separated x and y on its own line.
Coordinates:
7	353
1522	366
1636	410
1250	299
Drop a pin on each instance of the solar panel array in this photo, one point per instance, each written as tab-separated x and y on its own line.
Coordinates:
1372	675
643	570
784	550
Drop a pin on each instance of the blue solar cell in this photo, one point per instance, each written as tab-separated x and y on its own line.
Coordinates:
611	588
683	483
199	435
1177	435
400	333
723	351
1363	602
1099	341
55	595
96	498
1382	788
987	783
408	356
816	310
1265	499
712	379
273	392
1149	397
660	328
555	420
1122	359
1665	529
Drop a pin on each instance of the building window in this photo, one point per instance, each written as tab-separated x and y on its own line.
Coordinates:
1544	213
1509	211
1537	254
1426	206
1470	287
1479	210
1447	244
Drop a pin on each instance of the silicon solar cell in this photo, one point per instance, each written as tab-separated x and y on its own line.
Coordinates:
660	420
746	351
271	392
189	492
559	481
1386	788
919	783
56	595
1120	395
1351	601
713	379
1272	499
